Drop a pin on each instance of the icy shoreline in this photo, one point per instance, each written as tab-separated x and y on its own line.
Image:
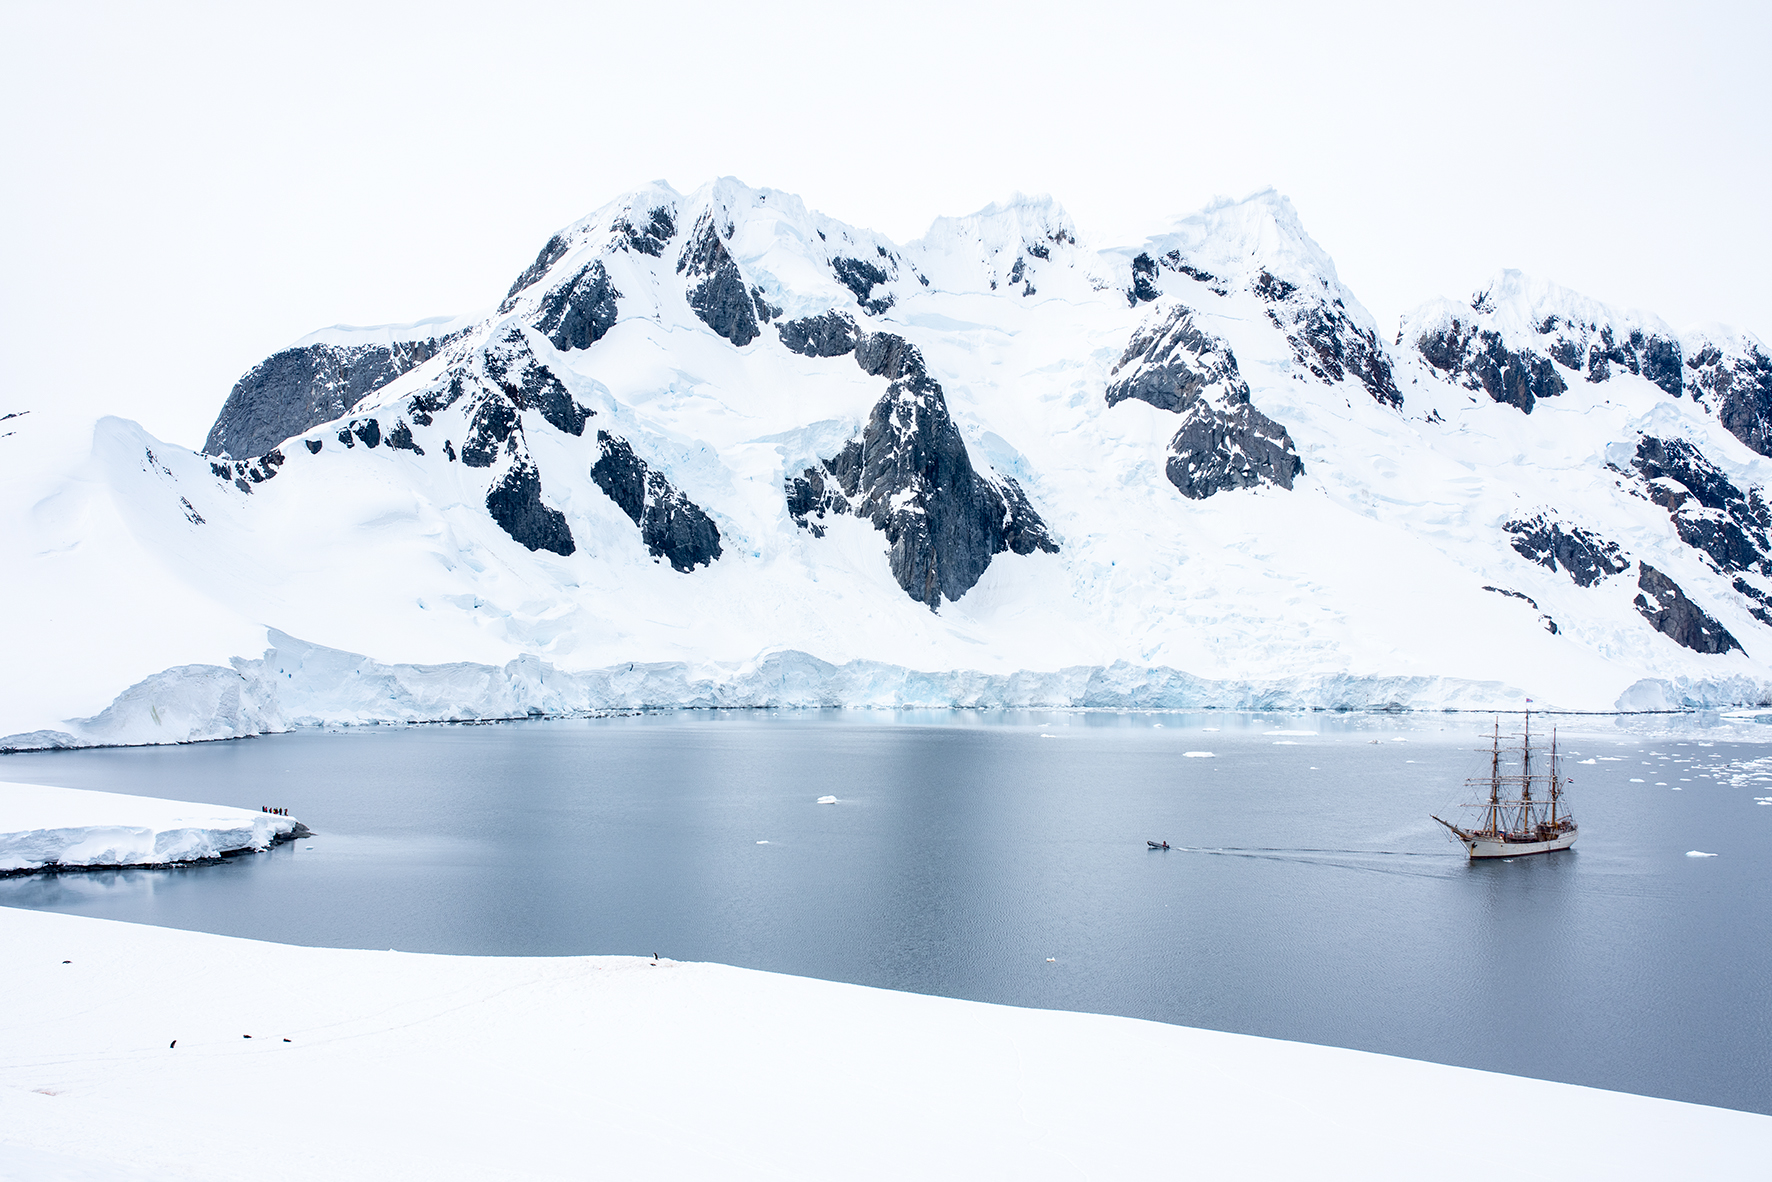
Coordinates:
128	1046
297	684
47	830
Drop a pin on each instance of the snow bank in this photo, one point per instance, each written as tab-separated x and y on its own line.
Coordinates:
301	684
402	1065
42	826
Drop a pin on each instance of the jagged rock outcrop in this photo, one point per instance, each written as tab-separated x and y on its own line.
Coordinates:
716	290
1583	555
514	368
861	276
1171	363
830	335
909	474
1326	340
671	525
1667	609
649	235
515	503
299	388
1734	380
1734	529
1478	359
577	313
1223	442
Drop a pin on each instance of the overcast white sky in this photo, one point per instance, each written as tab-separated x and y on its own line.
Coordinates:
190	187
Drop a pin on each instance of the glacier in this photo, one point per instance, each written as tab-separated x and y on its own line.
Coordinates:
718	449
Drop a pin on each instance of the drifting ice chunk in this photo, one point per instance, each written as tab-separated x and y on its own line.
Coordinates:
827	800
1698	854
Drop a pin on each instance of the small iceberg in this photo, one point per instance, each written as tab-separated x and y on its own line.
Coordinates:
1198	754
1698	854
827	800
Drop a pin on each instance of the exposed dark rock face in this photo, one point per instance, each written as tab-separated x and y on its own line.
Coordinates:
1738	390
551	253
1478	359
576	314
910	475
1708	511
1326	341
1599	348
368	430
1232	447
765	310
492	425
1223	442
243	474
717	291
830	335
1144	280
1666	607
671	525
298	389
515	503
1759	604
659	227
861	277
1584	556
1170	362
400	439
1550	625
529	384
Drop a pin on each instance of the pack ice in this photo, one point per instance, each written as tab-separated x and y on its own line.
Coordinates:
717	448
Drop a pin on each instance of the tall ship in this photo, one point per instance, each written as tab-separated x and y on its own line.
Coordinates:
1525	813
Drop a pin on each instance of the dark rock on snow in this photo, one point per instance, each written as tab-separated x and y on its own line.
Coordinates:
1223	442
861	277
1584	556
298	389
910	475
576	314
1709	513
1479	360
830	335
716	289
671	525
1326	341
531	385
515	503
1738	390
1666	607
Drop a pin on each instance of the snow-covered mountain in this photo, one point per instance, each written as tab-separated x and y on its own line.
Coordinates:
722	430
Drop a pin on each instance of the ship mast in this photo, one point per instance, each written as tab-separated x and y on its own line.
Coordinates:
1555	790
1526	776
1495	782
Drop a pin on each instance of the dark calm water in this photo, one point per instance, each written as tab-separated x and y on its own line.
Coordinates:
1316	901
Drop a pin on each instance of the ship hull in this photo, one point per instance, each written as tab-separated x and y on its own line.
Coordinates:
1482	847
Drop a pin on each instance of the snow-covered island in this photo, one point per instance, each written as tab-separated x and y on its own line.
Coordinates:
49	828
128	1048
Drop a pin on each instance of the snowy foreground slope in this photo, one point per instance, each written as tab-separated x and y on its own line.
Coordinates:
718	429
47	826
404	1065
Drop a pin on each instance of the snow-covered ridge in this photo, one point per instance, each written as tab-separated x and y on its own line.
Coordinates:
43	827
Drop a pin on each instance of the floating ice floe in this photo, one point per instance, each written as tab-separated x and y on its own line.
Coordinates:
1198	754
827	800
1698	854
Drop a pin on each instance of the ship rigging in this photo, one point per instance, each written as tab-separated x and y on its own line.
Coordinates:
1512	825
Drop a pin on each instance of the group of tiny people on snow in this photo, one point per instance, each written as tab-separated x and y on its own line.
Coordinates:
265	808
